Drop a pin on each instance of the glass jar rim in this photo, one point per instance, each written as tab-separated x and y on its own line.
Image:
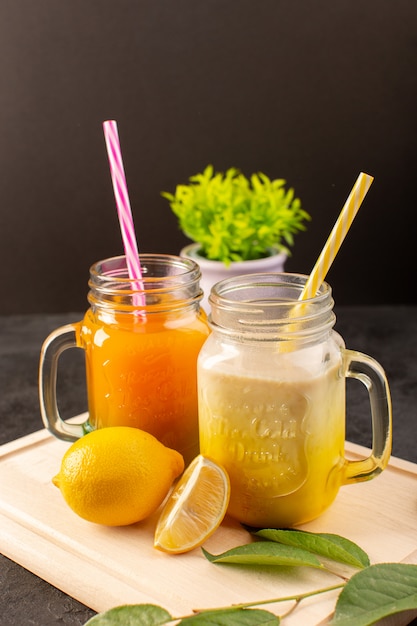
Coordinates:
114	270
168	283
268	305
239	285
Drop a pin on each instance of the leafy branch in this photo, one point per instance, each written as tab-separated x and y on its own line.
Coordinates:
372	593
234	218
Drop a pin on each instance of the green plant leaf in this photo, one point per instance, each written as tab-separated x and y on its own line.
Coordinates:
131	615
376	592
152	615
327	545
234	218
266	553
232	617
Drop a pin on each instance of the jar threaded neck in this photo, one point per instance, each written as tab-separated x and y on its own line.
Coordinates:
168	283
267	307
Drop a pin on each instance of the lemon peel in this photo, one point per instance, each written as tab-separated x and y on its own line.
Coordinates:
117	475
195	508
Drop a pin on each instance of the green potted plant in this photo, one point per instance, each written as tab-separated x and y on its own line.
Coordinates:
238	225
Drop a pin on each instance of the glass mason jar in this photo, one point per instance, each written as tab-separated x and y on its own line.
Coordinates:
271	380
141	342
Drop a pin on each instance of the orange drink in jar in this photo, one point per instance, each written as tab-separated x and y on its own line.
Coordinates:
142	374
141	349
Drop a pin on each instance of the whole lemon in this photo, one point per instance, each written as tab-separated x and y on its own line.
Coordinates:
117	475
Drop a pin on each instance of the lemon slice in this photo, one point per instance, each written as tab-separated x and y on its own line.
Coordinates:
195	508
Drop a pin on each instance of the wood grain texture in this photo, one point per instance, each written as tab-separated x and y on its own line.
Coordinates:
104	567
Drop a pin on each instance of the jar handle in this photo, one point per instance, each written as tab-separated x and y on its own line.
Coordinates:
54	345
371	374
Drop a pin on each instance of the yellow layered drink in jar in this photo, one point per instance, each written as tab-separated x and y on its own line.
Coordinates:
279	431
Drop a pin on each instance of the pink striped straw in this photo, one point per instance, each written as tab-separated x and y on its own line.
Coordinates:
124	210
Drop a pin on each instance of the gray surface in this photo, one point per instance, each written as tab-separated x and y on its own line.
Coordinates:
389	334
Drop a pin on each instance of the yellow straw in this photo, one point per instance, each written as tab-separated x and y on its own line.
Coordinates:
336	237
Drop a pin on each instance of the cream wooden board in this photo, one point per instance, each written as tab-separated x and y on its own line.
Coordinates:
104	567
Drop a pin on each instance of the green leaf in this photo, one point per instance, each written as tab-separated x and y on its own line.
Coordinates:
131	615
236	218
327	545
266	553
232	617
376	592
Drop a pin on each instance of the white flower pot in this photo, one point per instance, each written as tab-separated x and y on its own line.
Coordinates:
214	271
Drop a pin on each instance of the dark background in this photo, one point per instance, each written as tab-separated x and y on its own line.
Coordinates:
313	92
